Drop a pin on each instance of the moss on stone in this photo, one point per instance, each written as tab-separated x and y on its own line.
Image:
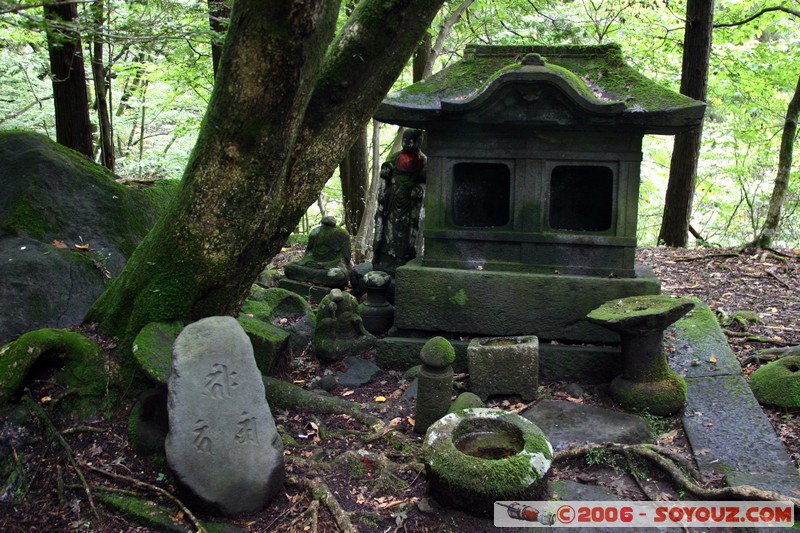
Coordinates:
270	343
660	398
152	349
82	364
477	481
466	400
778	383
438	353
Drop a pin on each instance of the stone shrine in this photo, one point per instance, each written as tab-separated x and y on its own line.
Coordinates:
533	166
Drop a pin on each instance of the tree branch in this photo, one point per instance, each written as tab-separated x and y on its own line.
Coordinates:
751	18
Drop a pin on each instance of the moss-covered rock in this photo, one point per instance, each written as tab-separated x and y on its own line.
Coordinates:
466	400
148	423
778	383
512	466
152	349
283	309
52	201
82	366
270	343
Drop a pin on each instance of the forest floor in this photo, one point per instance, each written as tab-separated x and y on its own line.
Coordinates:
373	474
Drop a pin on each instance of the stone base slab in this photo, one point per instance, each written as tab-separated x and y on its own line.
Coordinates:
499	303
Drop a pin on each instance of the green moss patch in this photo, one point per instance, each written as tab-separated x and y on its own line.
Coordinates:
778	383
152	349
82	365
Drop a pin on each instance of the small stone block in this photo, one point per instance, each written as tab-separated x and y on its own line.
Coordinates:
504	365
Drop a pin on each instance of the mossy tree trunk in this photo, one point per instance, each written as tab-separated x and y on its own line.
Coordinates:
286	104
686	151
771	223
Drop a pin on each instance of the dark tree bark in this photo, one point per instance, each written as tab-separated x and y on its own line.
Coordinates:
354	175
281	117
686	152
771	223
102	88
219	13
71	101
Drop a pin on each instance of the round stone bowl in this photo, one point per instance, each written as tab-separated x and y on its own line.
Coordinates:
475	457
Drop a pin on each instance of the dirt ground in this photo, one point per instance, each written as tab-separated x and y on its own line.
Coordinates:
373	475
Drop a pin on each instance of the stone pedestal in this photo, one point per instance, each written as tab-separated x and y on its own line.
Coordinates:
646	382
377	313
504	365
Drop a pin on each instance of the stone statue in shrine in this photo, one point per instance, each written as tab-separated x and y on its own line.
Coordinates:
399	205
327	259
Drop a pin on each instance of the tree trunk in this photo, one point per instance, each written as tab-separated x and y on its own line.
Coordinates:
686	152
102	89
363	239
764	239
219	12
279	121
354	175
71	101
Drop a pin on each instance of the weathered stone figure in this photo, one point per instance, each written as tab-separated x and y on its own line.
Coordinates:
327	258
399	205
340	331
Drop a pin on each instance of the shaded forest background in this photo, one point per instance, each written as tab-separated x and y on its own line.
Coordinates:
149	70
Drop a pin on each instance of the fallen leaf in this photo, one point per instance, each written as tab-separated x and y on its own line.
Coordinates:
82	246
46	399
712	359
380	399
59	244
411	420
347	393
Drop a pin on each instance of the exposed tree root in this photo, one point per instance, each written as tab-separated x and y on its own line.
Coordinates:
53	431
771	354
653	455
319	491
195	522
281	394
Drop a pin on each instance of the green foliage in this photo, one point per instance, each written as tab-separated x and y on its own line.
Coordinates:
159	58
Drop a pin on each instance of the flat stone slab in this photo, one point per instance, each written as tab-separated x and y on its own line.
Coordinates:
730	435
565	423
222	442
724	423
359	372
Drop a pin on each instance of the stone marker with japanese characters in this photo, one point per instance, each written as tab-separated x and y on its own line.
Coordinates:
222	442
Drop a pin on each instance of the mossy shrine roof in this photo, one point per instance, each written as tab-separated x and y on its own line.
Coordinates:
540	86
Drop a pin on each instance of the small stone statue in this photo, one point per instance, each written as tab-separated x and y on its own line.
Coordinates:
340	332
327	258
399	205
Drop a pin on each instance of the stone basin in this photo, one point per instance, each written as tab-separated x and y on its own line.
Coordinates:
475	457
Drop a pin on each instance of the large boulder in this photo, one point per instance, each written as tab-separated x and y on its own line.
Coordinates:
66	227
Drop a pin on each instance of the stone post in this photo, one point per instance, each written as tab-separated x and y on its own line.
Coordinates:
435	386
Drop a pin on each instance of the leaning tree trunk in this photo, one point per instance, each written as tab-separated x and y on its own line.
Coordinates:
280	120
354	176
71	102
686	152
764	239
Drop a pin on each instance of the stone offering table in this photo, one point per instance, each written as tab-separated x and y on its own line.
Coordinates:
646	382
